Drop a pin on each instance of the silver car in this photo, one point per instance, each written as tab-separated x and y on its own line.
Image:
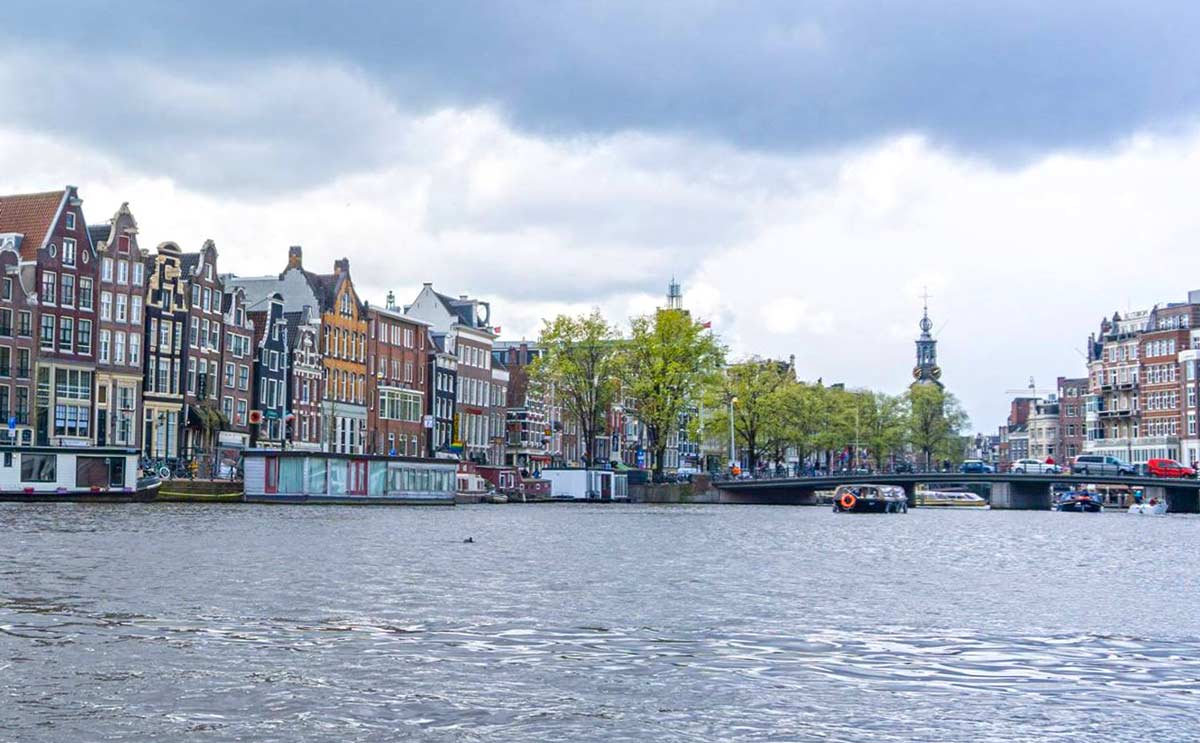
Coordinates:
1035	467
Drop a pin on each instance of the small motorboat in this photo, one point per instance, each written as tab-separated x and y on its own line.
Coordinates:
1153	507
951	499
870	499
1082	502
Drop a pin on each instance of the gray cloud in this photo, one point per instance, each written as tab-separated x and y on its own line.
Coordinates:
1003	80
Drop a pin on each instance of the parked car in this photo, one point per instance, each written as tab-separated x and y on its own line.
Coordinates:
1095	464
902	467
1168	468
1035	467
975	465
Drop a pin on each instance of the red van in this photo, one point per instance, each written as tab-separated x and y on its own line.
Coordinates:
1168	468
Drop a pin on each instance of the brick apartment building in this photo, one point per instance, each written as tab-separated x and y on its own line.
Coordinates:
397	374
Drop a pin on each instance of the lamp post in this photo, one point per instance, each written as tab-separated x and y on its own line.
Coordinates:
732	452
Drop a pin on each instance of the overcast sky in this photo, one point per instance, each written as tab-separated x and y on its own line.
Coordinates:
803	168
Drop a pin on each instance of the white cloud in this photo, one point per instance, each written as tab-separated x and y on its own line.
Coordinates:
824	257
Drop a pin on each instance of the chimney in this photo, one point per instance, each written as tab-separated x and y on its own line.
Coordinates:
295	257
341	266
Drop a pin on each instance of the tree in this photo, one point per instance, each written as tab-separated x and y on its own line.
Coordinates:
581	360
936	420
668	358
883	420
756	385
801	410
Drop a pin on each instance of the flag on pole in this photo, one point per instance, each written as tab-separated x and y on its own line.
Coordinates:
707	324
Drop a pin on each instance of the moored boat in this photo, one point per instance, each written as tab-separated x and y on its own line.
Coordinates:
1153	507
1079	501
870	499
45	473
274	476
951	499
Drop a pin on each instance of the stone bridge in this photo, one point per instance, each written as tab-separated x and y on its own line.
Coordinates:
1007	490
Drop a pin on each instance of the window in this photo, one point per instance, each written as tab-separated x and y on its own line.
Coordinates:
102	349
243	377
229	372
66	334
24	322
135	310
241	412
191	377
106	305
47	339
85	293
39	467
83	338
122	308
214	336
106	270
206	303
135	349
68	289
138	274
49	288
119	346
68	251
122	272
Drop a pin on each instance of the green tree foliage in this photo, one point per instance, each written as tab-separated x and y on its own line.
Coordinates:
668	359
756	386
883	424
936	421
581	361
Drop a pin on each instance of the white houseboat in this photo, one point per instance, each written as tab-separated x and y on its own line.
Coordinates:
568	483
46	473
274	476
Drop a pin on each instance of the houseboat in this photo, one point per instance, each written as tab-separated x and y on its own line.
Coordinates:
870	499
576	484
951	499
274	476
72	474
470	486
508	481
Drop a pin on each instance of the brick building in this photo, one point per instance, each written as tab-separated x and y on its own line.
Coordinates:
443	396
203	419
1072	433
269	399
121	330
397	374
1138	366
468	335
48	230
237	369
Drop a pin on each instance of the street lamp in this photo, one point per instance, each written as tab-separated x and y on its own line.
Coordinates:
732	454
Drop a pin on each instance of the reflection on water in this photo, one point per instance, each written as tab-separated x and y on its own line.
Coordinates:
595	623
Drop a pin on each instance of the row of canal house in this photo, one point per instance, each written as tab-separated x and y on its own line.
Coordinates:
105	342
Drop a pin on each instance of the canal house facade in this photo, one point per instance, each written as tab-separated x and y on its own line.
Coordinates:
50	233
120	330
396	388
304	380
269	423
17	347
164	352
205	324
237	364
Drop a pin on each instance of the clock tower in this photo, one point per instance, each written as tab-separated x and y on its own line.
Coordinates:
926	371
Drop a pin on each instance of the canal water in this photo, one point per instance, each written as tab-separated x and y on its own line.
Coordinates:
595	623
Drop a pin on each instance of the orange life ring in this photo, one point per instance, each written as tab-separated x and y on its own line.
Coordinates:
847	501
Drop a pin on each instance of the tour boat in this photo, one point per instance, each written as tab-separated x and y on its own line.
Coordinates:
1078	501
274	476
46	473
1154	507
870	499
951	499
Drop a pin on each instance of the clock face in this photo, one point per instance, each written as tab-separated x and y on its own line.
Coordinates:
916	372
937	372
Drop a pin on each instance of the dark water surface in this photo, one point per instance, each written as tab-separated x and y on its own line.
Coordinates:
639	623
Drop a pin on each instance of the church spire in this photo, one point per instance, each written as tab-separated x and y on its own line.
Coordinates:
926	371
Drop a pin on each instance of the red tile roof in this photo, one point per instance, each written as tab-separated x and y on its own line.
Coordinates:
31	214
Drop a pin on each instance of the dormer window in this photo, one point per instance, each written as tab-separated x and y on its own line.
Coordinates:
70	220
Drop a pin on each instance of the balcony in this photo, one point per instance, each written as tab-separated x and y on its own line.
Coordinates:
1125	413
